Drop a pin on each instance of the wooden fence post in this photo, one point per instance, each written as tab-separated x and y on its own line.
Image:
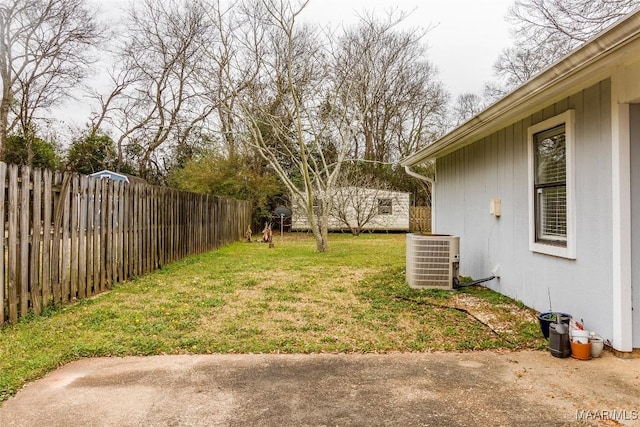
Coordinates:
13	244
35	287
3	283
23	272
47	210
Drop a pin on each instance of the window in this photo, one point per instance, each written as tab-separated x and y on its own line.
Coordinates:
551	213
385	207
550	185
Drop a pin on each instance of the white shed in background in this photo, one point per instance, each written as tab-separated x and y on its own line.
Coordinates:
383	210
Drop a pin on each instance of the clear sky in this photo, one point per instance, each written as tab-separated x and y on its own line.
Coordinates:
465	41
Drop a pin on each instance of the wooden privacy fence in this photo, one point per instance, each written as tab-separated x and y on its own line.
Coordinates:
68	236
420	218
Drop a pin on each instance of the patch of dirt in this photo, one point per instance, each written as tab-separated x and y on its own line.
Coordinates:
498	317
599	392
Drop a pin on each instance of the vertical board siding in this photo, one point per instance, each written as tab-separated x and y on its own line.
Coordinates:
68	237
496	166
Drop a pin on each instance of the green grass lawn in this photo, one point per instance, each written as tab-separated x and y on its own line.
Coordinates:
248	298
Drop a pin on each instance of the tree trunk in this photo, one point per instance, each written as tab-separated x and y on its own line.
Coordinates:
322	235
4	114
319	226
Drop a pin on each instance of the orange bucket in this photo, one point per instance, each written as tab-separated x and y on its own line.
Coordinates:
580	351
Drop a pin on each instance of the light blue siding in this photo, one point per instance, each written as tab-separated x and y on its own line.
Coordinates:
497	167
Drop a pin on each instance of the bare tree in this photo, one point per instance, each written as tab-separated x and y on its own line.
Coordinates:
393	94
121	77
290	107
546	30
233	60
314	99
45	51
157	102
361	200
467	106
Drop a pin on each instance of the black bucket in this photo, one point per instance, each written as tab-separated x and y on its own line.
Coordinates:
559	344
548	317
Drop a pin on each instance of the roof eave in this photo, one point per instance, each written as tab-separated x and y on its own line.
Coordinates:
597	56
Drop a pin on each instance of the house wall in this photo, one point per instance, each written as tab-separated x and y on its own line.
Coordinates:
497	167
397	221
635	215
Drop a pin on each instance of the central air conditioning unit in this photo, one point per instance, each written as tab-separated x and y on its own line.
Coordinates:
432	261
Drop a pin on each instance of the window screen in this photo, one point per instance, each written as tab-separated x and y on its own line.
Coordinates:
550	185
385	206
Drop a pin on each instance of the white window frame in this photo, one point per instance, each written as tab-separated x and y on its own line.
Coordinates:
569	251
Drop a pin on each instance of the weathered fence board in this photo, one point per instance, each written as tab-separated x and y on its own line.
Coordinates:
46	238
420	218
68	236
83	227
75	235
97	226
65	244
35	267
12	249
23	273
3	281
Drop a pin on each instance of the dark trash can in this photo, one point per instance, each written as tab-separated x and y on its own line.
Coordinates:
559	344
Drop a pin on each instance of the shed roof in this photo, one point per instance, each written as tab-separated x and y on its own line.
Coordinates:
585	66
119	176
110	174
